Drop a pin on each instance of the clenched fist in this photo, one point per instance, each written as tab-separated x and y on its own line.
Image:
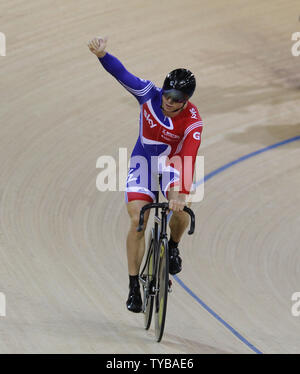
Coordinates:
176	200
97	46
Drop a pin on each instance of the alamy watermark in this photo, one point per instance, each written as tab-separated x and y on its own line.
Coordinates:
2	305
139	175
2	44
296	46
296	306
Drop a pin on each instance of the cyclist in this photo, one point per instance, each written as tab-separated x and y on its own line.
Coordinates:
170	133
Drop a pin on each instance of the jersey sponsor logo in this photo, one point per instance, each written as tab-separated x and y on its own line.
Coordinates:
149	120
169	134
197	135
194	113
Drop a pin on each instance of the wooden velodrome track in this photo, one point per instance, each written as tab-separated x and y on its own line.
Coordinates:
63	264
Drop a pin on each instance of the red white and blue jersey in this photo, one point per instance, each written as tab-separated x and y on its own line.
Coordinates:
166	146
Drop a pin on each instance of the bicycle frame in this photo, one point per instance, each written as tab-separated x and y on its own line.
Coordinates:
159	232
155	274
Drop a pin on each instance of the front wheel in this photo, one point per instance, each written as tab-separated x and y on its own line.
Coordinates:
149	278
161	296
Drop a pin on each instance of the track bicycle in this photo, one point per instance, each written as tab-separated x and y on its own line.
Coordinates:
154	276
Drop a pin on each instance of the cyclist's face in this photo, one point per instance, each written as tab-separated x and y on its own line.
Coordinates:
170	105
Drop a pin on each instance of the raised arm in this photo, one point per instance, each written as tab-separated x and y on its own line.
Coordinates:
142	89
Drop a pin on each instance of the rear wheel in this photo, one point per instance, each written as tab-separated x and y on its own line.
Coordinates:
162	286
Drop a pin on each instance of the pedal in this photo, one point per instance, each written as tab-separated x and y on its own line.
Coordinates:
170	286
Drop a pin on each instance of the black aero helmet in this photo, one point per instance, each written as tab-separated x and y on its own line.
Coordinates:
179	84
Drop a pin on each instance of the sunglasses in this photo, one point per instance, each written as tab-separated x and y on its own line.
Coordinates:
175	95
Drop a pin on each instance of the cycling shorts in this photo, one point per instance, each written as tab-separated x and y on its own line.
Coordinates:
142	181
